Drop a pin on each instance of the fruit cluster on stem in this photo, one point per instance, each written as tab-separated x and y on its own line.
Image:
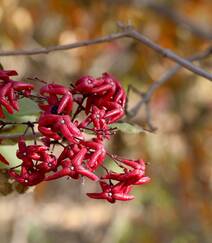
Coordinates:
101	101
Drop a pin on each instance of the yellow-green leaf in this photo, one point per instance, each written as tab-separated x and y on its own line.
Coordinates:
128	128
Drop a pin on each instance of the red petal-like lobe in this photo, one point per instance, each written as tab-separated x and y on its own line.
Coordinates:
123	197
97	195
143	180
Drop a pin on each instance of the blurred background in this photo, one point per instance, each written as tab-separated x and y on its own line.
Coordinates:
176	206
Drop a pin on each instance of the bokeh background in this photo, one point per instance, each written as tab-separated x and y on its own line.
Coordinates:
176	206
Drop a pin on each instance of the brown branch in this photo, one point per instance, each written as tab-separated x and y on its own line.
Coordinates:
47	50
170	54
128	32
29	135
150	127
178	19
170	73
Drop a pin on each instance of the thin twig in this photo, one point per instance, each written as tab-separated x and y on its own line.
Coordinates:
149	118
46	50
179	19
29	135
165	77
129	32
170	54
151	128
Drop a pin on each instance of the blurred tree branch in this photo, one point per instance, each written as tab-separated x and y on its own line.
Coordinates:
166	11
146	96
165	77
128	32
29	135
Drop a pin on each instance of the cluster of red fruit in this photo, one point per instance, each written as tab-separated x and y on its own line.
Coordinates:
99	102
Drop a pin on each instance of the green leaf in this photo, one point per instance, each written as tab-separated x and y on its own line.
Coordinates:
9	153
3	160
11	130
128	128
27	108
29	111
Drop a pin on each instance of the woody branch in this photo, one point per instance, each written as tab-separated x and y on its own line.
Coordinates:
127	32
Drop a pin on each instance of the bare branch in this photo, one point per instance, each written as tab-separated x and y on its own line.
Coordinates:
170	54
127	32
148	94
47	50
148	117
179	19
29	135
